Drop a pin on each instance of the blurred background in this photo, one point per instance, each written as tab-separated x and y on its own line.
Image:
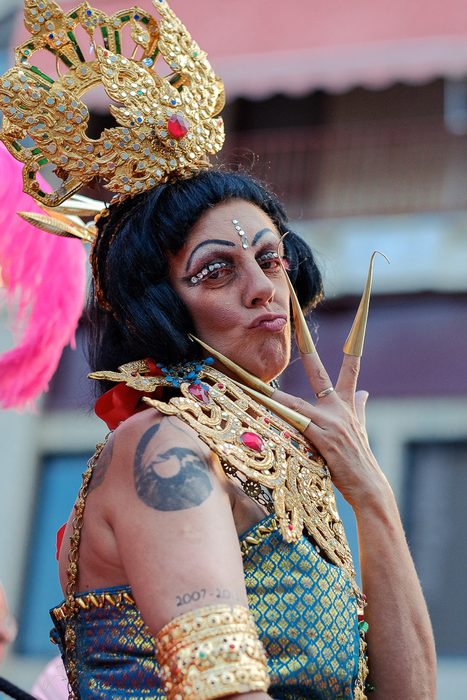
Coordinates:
356	115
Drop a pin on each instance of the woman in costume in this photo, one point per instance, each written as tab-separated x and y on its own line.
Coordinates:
205	557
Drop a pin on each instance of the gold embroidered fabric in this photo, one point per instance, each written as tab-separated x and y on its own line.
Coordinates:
304	609
307	613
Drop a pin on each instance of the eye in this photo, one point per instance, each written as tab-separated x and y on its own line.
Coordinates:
216	273
269	260
213	271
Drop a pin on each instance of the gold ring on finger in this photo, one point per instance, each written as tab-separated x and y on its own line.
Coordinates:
324	392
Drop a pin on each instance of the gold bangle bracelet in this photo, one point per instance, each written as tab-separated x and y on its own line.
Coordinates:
211	652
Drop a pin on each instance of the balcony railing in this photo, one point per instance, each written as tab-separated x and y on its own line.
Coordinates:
359	169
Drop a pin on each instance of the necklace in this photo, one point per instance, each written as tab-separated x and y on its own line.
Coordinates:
269	454
256	447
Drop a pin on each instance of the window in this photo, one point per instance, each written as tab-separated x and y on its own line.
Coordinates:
436	523
59	482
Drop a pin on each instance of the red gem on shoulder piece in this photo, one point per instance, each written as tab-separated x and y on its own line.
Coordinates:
252	441
199	393
177	126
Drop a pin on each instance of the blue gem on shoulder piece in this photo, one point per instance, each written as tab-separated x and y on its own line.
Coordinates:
185	372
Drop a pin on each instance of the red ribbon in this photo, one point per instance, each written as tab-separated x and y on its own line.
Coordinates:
59	540
121	402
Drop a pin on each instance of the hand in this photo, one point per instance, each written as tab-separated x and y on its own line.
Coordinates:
337	429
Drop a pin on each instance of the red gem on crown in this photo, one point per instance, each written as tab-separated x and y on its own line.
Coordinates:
177	126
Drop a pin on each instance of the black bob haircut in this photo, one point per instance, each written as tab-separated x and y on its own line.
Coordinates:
148	318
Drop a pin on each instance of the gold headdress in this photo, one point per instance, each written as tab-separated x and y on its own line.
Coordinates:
165	99
167	124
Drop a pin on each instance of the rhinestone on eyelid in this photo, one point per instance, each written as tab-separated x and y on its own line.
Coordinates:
205	272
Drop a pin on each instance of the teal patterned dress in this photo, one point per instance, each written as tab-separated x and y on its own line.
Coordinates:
304	607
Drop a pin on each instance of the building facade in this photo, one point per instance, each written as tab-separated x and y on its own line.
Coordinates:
366	163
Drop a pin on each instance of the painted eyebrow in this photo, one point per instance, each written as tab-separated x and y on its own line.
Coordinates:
260	234
220	241
210	241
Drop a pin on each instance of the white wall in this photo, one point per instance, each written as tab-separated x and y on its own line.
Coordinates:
428	252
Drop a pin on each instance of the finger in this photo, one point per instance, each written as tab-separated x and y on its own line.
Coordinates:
316	373
314	368
361	397
348	377
300	406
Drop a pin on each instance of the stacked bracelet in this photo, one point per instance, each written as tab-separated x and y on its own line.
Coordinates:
211	652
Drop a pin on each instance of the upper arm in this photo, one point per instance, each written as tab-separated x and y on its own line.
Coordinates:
173	522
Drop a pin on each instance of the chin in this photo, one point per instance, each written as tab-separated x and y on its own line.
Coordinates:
270	360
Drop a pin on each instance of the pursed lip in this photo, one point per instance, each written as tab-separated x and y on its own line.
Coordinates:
266	319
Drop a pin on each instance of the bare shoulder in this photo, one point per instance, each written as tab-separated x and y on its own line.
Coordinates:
163	508
151	424
162	460
172	468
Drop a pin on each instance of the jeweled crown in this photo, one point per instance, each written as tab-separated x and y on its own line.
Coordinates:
166	115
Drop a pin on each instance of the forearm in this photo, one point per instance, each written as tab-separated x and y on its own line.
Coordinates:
401	648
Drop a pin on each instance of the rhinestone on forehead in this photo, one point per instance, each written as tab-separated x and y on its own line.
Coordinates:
241	233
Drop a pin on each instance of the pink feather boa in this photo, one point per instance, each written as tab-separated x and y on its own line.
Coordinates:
43	278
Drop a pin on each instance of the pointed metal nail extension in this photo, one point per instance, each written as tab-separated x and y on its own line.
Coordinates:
245	376
356	338
302	332
296	420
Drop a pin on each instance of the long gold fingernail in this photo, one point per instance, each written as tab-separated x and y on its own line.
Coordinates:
302	333
356	338
245	376
289	415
